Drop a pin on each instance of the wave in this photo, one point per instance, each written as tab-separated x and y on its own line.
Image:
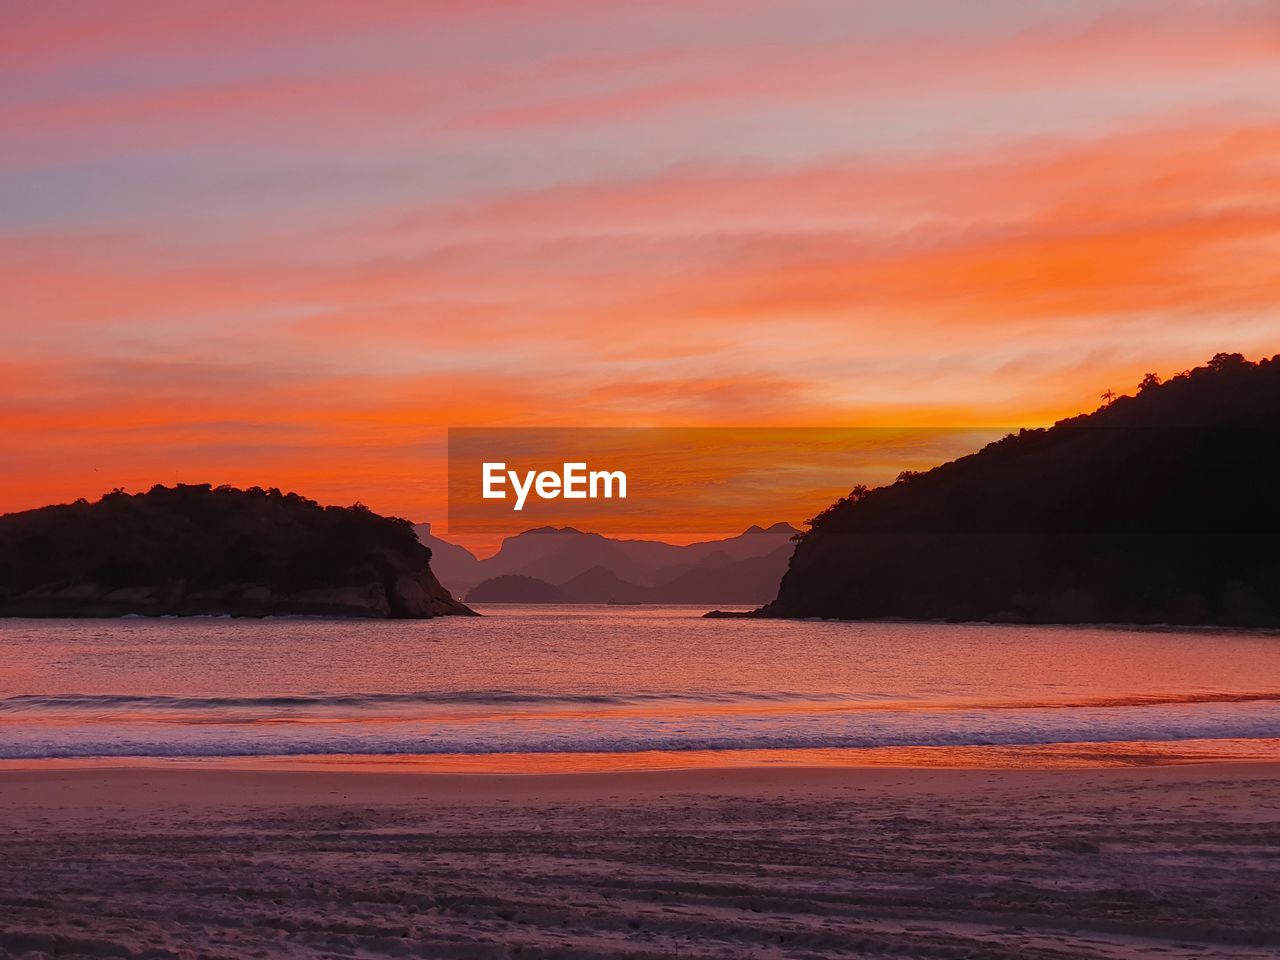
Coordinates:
78	701
372	748
319	701
34	736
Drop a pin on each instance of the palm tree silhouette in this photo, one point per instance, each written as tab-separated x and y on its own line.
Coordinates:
1109	395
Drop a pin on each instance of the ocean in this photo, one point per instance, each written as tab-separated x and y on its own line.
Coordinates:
578	688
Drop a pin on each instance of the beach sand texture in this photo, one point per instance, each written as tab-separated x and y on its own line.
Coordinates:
1179	862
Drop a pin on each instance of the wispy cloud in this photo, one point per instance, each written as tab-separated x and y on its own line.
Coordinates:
291	244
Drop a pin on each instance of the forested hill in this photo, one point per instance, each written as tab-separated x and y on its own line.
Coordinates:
193	549
1161	507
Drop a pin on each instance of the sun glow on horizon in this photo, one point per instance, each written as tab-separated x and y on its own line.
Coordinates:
292	245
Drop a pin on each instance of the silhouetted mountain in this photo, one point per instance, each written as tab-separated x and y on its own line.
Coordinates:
1158	508
454	566
514	588
729	582
738	581
192	549
558	555
754	542
591	568
601	585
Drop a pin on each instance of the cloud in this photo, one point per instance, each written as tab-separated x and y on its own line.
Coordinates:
253	245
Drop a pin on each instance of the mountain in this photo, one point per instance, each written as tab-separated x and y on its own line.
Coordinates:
592	568
735	582
716	578
755	542
451	563
559	554
601	585
193	549
513	588
1158	508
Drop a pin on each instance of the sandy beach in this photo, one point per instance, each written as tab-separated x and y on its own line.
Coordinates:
1177	861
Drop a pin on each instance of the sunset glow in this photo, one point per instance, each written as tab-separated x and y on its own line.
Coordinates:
291	244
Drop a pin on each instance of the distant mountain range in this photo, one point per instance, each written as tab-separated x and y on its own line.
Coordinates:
564	565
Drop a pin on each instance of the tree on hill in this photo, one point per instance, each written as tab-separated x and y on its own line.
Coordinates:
1148	510
175	543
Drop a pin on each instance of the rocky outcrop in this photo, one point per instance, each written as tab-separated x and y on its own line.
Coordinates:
192	550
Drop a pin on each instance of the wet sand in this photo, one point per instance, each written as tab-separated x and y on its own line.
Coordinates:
1177	861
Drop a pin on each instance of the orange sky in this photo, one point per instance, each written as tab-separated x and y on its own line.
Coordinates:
291	244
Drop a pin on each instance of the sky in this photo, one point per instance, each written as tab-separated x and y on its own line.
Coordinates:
290	244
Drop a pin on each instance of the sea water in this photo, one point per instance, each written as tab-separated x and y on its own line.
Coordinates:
546	687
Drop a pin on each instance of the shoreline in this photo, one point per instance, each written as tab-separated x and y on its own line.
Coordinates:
710	611
1178	862
1143	626
129	792
1026	757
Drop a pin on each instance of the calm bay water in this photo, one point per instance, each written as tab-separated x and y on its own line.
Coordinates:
624	682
